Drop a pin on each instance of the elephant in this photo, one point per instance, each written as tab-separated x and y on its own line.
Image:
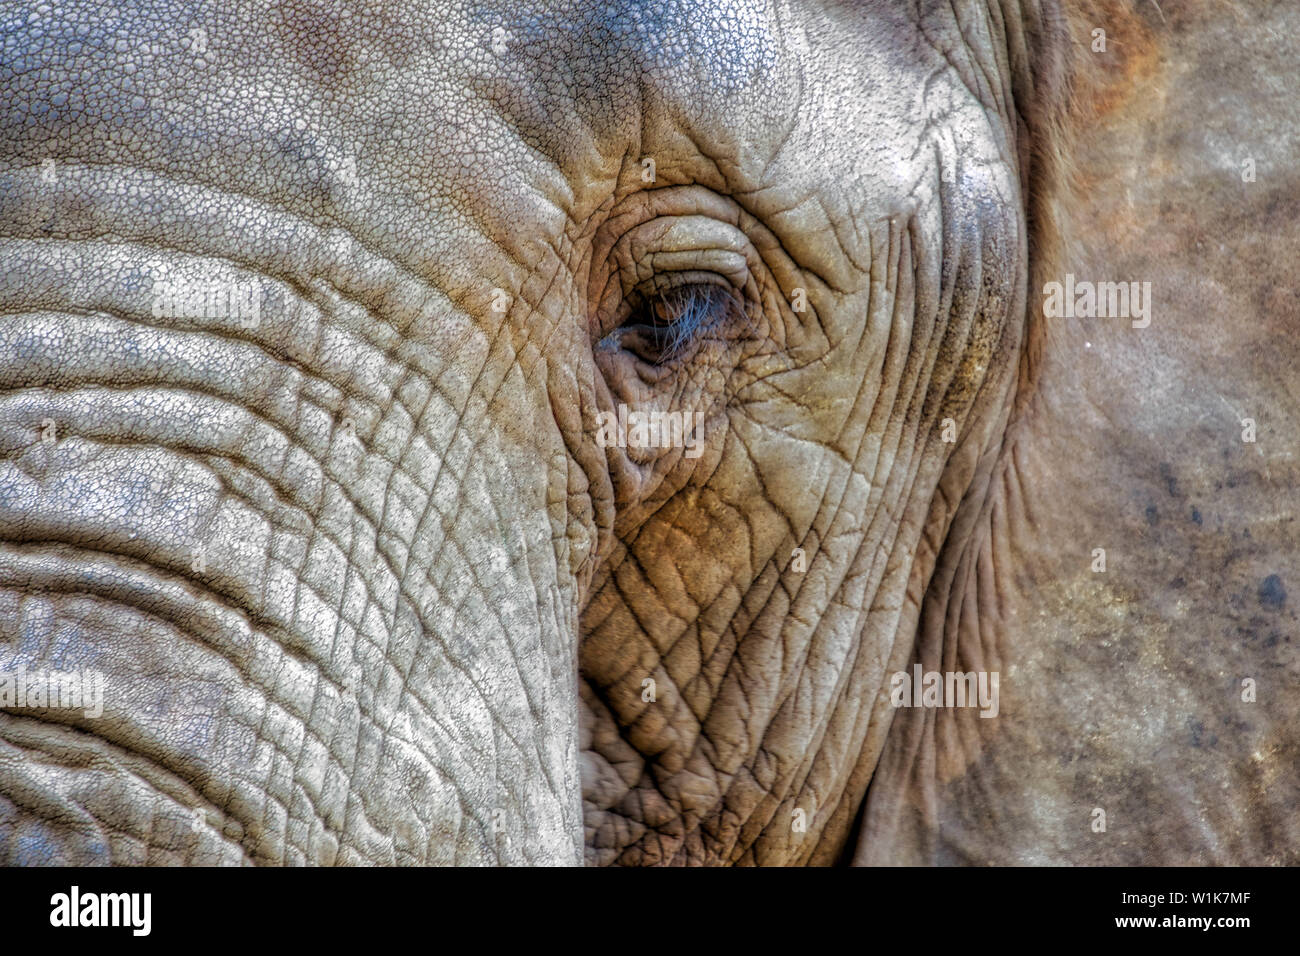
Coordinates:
753	432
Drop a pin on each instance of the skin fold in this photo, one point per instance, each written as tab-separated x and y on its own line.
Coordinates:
365	583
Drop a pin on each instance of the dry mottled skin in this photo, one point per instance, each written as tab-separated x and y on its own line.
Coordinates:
368	583
1123	691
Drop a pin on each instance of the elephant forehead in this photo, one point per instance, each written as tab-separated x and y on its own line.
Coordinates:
441	132
505	114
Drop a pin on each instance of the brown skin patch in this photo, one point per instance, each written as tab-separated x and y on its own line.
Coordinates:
1123	690
1105	81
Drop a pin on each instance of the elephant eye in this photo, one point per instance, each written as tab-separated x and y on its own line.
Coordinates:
664	325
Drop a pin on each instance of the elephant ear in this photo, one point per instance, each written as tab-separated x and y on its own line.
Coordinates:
1132	575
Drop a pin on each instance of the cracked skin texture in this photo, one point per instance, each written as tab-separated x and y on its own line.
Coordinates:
364	586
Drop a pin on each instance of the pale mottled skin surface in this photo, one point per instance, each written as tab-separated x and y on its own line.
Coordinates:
428	642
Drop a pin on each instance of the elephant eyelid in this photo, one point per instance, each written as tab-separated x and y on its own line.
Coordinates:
674	318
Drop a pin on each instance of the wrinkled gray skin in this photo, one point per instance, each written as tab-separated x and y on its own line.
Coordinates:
365	586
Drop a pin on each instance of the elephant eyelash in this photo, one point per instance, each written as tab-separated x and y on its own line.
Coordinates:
667	322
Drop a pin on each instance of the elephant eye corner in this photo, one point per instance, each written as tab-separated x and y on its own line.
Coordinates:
663	326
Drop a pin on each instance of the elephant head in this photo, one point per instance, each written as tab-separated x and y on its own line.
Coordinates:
532	432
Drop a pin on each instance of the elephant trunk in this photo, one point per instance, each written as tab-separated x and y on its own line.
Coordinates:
307	552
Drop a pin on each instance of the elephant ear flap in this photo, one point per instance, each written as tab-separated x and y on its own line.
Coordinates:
1071	63
1042	53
